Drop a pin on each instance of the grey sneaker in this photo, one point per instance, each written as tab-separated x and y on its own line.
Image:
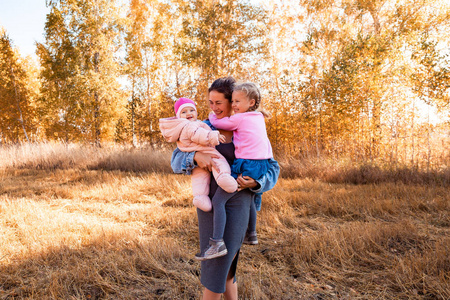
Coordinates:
251	238
216	248
199	256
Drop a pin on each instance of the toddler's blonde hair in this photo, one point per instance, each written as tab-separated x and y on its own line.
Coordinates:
252	92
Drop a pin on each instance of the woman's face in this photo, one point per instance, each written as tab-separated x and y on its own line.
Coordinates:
219	104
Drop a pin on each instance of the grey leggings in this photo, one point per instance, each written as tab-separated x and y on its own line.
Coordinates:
220	216
214	272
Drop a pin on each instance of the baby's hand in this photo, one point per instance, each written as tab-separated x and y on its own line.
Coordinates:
222	138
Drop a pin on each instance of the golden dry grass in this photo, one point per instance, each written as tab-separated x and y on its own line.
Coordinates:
77	223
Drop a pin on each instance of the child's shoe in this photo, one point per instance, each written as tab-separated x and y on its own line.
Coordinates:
251	238
216	248
199	256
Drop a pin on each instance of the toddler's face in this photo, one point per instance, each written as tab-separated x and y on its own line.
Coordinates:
240	102
189	113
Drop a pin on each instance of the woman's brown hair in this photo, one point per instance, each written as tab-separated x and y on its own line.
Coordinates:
224	85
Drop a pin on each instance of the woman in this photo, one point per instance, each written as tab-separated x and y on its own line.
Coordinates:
218	274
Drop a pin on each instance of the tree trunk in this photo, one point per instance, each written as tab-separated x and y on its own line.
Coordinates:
149	100
133	116
376	127
376	20
428	142
18	103
412	132
96	107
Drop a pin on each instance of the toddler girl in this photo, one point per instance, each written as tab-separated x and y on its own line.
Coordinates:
193	135
252	150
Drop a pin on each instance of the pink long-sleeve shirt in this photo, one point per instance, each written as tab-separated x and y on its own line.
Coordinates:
249	134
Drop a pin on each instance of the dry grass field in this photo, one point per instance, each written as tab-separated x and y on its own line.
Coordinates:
84	223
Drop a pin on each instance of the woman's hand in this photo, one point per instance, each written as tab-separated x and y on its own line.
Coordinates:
205	161
245	182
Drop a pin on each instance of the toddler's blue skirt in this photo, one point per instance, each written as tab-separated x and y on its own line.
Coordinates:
254	168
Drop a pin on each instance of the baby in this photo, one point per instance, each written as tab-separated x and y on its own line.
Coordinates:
193	135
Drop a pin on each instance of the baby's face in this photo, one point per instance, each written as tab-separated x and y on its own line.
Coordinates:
189	113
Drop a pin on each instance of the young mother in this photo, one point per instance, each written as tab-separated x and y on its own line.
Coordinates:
218	274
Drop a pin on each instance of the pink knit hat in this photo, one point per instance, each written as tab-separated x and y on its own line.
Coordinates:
182	103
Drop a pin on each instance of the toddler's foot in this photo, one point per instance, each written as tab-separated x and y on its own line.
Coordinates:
216	248
203	202
251	238
227	183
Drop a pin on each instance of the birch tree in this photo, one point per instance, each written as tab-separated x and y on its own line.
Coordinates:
81	93
17	97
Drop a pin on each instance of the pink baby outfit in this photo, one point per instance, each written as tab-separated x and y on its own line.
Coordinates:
197	136
249	134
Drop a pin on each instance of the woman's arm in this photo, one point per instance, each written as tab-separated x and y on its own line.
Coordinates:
205	161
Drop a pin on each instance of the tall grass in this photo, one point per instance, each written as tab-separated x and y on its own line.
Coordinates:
347	171
50	156
79	222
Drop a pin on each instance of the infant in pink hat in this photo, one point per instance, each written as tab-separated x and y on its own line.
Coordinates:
191	135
